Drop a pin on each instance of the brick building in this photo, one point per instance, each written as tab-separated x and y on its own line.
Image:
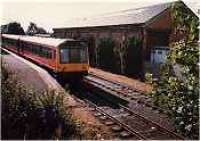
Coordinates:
153	25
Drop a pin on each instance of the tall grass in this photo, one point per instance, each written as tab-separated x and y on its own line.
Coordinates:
30	115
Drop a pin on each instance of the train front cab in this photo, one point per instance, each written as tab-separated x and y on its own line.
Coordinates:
72	59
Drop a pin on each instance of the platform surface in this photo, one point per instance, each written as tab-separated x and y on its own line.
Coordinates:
132	83
24	73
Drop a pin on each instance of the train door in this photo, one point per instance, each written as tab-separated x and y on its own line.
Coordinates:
18	46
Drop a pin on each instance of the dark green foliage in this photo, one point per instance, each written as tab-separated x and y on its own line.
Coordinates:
12	28
125	59
106	56
34	29
30	115
177	90
133	57
185	22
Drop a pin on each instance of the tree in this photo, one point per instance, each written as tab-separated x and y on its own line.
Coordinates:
34	29
106	57
177	90
12	28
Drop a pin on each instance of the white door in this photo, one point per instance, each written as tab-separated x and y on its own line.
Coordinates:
159	55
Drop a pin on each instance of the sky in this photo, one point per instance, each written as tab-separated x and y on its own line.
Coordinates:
57	13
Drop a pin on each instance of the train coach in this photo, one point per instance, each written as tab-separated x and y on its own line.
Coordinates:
62	56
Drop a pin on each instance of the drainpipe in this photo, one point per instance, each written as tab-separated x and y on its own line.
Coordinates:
123	47
144	45
96	47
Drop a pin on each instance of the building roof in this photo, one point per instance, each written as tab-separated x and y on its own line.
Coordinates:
131	16
54	42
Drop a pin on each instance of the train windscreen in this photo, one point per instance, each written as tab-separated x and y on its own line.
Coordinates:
74	53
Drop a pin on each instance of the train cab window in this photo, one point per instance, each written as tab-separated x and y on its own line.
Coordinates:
64	55
83	54
75	55
74	52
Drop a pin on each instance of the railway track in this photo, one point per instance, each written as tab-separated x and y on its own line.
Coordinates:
129	125
122	91
133	123
123	129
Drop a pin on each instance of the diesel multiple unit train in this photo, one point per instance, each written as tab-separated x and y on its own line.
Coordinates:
62	56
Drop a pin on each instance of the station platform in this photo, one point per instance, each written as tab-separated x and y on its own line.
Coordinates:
24	73
130	82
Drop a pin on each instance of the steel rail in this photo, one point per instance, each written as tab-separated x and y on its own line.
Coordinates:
124	94
152	122
126	127
140	116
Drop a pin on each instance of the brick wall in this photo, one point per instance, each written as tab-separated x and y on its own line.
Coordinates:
155	32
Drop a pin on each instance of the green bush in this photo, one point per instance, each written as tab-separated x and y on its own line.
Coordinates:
30	115
177	89
178	92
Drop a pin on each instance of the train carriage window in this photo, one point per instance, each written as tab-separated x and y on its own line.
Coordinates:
13	43
3	40
40	53
45	53
22	45
49	53
37	50
33	49
8	42
29	46
53	54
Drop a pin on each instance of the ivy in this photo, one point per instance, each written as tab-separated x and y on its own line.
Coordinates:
106	55
177	89
133	58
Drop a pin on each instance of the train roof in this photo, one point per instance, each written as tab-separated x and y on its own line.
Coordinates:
39	40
